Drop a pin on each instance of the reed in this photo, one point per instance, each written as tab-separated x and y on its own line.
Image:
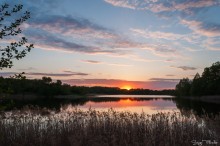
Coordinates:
42	127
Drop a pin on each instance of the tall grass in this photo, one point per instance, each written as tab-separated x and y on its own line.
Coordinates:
93	128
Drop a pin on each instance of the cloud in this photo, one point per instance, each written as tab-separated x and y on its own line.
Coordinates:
157	34
7	74
170	75
165	79
163	50
195	4
120	83
185	68
212	44
48	41
65	74
73	34
105	63
177	42
81	29
204	29
162	5
70	26
123	3
92	61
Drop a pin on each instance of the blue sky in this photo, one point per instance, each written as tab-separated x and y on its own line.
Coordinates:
137	43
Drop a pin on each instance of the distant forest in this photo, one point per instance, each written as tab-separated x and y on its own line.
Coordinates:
45	87
206	84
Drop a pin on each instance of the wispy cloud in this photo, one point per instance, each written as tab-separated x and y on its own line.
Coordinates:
73	34
170	44
92	61
164	50
156	34
65	74
212	44
170	75
105	63
70	26
164	79
191	38
205	29
185	68
57	74
162	5
51	42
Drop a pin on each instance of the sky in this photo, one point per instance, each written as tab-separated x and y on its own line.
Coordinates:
119	43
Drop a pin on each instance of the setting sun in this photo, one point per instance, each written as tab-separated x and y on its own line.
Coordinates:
126	87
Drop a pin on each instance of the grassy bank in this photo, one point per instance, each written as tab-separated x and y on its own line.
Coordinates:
74	127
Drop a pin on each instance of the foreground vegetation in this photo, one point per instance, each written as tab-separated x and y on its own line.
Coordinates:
206	84
75	127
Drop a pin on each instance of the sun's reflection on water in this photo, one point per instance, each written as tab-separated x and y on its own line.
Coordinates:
151	106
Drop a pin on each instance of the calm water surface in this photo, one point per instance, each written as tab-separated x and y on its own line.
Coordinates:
134	103
133	96
149	104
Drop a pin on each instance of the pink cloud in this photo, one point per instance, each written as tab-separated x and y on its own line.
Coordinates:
209	30
161	5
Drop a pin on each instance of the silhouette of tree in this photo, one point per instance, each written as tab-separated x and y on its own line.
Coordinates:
46	80
197	85
207	84
20	76
59	83
184	87
211	79
9	30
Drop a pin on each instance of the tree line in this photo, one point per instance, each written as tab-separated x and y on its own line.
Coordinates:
46	87
206	84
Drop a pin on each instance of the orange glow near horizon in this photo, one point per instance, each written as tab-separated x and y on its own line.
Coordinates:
126	101
127	87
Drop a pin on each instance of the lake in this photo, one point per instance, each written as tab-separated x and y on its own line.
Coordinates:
149	104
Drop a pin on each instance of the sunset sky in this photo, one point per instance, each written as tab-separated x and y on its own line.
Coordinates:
123	43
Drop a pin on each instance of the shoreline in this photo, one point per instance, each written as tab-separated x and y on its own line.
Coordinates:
29	97
208	98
